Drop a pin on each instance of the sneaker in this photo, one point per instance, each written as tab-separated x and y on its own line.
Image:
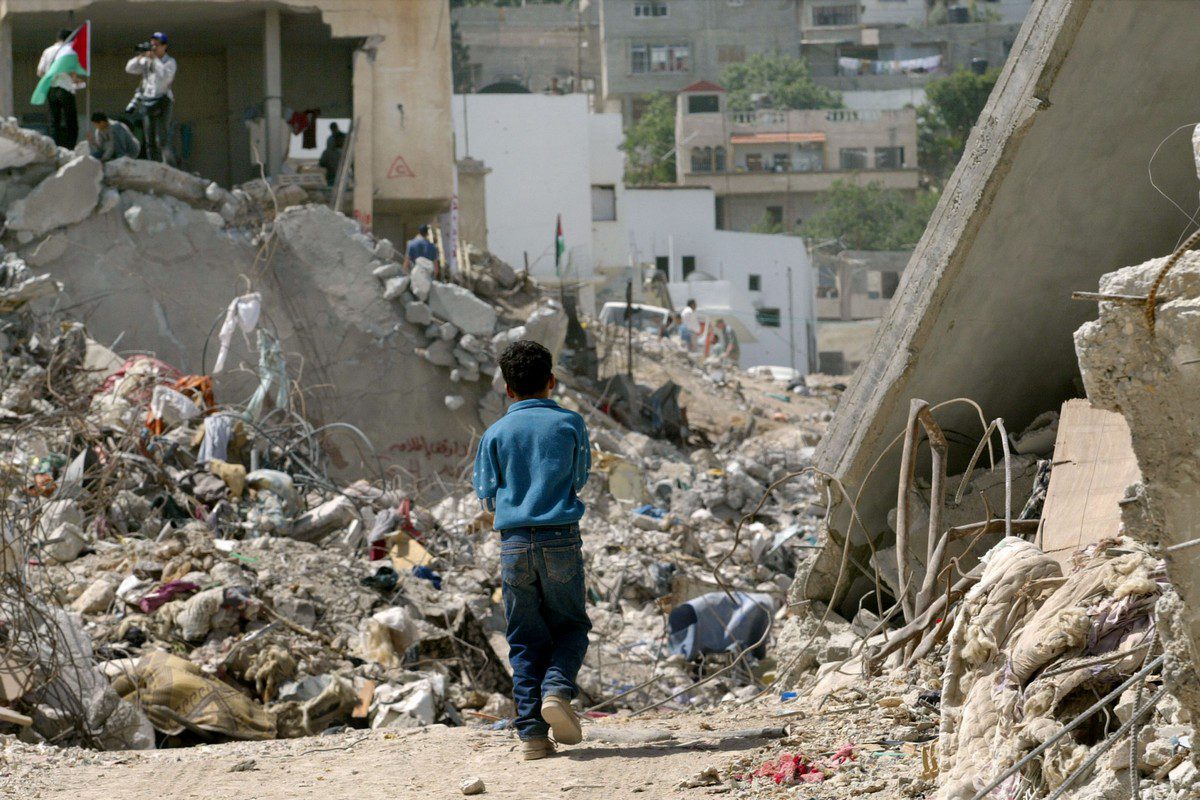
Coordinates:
563	720
537	747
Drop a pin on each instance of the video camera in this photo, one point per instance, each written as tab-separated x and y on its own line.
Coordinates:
144	47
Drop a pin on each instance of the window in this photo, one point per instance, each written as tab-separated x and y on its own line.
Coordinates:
604	203
827	16
663	265
703	104
810	157
852	158
768	317
650	9
702	159
719	159
756	283
737	3
890	281
781	162
754	162
889	158
775	215
659	58
689	265
730	54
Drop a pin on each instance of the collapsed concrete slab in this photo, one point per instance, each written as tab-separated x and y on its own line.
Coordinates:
1150	377
168	270
156	177
66	197
1051	194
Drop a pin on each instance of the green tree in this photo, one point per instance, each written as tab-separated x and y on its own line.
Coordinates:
944	122
871	217
460	61
784	80
650	143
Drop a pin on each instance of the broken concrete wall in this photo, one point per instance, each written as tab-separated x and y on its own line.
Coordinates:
1051	194
1153	378
154	273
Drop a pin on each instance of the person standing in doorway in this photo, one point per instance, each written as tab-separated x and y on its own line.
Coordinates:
154	100
64	116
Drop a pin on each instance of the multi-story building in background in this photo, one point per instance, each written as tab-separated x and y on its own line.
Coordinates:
770	168
542	47
665	45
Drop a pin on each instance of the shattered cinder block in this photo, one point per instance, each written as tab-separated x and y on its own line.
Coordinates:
66	197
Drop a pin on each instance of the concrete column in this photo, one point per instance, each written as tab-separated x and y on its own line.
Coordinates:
7	109
364	139
273	100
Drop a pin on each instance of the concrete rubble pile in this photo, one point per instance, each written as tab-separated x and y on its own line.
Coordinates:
180	566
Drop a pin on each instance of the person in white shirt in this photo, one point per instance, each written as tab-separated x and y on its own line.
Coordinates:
689	325
154	99
64	116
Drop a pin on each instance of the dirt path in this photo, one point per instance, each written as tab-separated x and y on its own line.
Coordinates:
366	765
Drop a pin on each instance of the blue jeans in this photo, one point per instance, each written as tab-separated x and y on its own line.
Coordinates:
542	573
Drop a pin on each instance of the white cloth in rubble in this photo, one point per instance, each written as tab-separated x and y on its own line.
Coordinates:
243	312
218	429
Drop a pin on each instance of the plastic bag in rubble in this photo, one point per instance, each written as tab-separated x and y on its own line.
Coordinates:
74	702
214	610
386	636
242	313
272	373
218	430
172	407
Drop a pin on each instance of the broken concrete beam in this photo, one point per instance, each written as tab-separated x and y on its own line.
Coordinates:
20	147
458	305
66	197
1149	375
157	178
386	271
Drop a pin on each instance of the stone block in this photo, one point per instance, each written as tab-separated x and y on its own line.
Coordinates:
417	313
439	353
66	197
457	305
422	278
394	288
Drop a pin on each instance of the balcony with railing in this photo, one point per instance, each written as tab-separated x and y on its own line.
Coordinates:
816	119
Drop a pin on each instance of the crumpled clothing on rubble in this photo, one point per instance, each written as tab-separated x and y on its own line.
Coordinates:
177	696
1020	619
715	623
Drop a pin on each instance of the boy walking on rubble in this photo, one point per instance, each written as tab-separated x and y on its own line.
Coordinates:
530	467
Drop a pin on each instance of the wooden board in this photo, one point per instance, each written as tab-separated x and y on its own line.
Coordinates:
1093	465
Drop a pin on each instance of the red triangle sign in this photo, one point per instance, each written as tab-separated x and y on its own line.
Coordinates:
400	169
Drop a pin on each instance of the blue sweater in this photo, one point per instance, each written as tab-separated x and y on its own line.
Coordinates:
531	465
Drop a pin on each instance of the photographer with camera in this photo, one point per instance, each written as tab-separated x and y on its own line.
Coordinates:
154	99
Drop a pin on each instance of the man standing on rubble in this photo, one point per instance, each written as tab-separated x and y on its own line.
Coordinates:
529	470
420	246
64	116
689	326
154	98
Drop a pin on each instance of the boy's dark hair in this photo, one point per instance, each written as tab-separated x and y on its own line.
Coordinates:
99	116
527	367
64	34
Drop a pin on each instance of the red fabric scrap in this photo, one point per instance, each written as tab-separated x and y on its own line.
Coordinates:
789	770
160	596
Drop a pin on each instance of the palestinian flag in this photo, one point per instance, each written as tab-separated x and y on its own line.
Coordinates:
74	57
560	246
